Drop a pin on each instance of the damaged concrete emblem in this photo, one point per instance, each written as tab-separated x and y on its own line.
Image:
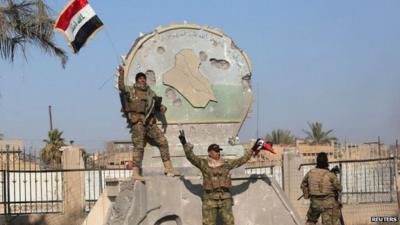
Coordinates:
186	78
202	76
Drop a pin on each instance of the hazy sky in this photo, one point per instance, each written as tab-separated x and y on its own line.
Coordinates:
336	62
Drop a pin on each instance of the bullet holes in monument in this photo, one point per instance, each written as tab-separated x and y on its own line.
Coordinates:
246	82
203	56
220	63
160	50
150	77
173	97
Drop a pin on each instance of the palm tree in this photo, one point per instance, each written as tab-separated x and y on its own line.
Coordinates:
51	153
24	23
280	136
1	136
316	136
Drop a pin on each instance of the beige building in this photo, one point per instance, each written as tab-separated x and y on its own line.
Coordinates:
12	156
117	154
10	152
309	152
370	150
11	144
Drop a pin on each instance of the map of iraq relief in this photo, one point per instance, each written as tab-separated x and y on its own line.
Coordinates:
186	78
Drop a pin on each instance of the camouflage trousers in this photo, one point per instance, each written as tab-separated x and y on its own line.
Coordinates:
141	134
212	207
328	208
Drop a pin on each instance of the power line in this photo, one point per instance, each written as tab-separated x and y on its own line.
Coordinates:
258	107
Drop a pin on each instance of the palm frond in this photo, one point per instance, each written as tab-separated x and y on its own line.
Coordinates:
25	23
280	136
316	135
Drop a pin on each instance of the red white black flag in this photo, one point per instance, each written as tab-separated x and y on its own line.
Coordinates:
78	22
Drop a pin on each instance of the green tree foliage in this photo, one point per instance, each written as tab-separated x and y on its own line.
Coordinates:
50	153
27	23
316	136
1	136
279	136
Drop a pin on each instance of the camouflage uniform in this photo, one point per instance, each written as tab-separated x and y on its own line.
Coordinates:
320	186
217	197
139	107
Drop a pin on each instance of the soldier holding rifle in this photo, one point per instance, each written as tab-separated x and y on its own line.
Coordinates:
139	104
322	187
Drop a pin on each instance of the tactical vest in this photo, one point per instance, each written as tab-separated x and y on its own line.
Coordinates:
319	182
217	178
138	102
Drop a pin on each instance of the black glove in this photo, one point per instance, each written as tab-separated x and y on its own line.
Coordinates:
182	137
257	144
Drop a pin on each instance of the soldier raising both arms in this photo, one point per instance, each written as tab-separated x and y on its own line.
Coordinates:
320	186
139	103
217	197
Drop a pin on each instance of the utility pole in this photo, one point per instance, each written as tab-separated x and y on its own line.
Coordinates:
379	146
50	119
396	172
258	106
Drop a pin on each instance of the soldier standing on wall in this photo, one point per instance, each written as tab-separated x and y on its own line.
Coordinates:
320	186
139	104
217	197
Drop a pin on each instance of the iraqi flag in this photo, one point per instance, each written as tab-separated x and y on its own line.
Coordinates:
78	22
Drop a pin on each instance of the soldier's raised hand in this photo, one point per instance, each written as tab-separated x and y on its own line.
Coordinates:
182	137
257	145
261	144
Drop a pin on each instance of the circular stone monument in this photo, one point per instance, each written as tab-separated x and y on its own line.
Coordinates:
202	76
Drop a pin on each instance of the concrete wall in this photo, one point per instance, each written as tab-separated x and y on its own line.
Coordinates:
165	200
100	211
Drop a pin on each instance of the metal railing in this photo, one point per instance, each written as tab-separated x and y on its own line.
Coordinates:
28	186
365	181
273	169
95	183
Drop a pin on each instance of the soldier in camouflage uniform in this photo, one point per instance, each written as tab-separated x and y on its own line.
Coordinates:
320	186
217	197
139	104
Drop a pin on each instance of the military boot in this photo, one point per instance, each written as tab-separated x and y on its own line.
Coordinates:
136	174
169	170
